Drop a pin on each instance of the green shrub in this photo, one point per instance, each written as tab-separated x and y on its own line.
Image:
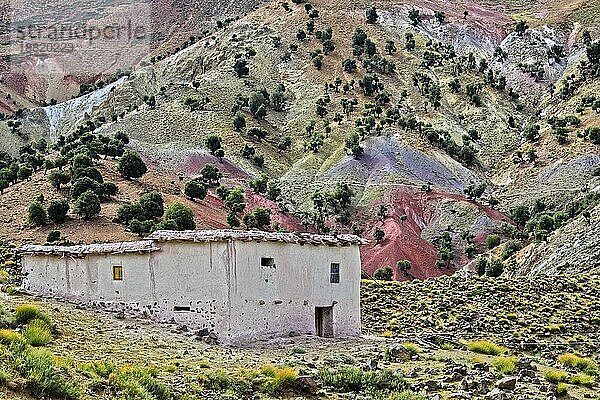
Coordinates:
37	366
582	380
511	247
555	376
37	332
195	189
140	383
385	380
344	379
6	318
131	165
28	312
132	382
152	205
57	210
9	337
182	215
505	365
575	361
53	236
142	228
3	279
298	350
353	379
100	369
485	347
406	395
562	389
384	274
36	214
494	268
216	380
281	379
128	212
492	241
412	348
3	376
88	205
554	327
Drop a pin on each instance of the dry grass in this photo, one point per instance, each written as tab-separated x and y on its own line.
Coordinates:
486	347
505	365
412	348
555	376
37	332
575	361
583	380
9	337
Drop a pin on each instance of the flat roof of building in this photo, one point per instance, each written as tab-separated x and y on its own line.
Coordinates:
143	246
224	235
220	235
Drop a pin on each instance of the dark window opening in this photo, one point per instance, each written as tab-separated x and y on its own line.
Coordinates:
267	262
334	275
181	308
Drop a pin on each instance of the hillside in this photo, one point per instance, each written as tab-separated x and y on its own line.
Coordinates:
460	138
437	143
33	78
428	344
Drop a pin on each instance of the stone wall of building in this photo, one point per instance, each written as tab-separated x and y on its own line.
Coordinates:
241	291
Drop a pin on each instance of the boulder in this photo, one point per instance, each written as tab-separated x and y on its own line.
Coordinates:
432	385
211	338
454	377
307	384
397	353
507	383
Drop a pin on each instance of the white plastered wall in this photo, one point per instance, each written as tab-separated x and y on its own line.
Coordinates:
267	301
222	283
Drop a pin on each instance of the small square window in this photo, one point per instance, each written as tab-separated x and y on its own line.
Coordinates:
334	275
267	262
118	273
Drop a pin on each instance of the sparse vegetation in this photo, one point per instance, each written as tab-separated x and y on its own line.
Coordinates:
412	348
37	333
353	379
504	365
555	376
577	362
485	347
392	111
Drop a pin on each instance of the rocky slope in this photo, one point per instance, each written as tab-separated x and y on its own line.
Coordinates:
422	331
29	78
171	105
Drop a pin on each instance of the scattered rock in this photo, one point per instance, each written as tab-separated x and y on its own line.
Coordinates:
496	394
454	377
397	353
308	385
507	383
211	338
